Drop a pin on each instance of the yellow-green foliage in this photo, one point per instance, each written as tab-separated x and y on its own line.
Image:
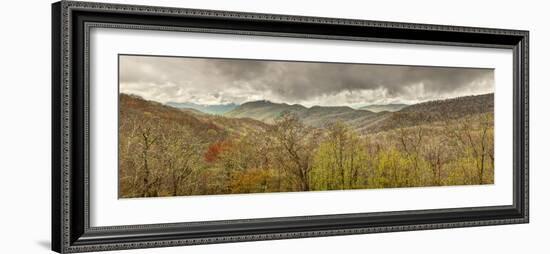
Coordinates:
341	160
179	155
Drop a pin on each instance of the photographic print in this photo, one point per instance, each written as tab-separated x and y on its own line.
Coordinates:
210	126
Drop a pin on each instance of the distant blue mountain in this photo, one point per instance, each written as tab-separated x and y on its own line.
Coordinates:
219	109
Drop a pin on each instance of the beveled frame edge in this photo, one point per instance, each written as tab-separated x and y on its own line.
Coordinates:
69	227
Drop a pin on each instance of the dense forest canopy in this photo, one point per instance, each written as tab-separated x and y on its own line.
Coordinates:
270	147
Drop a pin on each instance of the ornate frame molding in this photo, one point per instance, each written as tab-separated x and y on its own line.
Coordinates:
71	22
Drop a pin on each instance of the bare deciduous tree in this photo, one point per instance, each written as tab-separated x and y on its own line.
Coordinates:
296	143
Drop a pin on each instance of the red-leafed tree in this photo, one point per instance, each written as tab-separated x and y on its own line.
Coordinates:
213	152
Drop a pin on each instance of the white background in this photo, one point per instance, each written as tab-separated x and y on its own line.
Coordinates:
25	128
108	210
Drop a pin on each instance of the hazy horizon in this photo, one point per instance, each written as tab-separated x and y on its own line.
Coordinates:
354	107
212	81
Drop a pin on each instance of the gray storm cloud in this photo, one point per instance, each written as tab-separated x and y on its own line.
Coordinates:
214	81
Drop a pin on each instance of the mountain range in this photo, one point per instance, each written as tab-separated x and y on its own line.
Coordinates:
204	125
218	109
316	116
372	118
366	120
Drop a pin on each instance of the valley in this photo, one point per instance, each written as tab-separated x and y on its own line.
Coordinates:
178	149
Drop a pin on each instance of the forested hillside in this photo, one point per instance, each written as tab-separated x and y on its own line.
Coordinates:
315	116
267	147
434	111
365	121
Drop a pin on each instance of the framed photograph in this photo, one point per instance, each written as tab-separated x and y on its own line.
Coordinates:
181	126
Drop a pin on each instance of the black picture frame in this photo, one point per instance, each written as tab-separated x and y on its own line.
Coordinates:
71	22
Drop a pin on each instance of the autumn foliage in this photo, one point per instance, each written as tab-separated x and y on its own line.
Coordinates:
165	151
213	151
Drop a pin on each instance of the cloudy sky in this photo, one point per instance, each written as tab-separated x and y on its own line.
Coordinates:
221	81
